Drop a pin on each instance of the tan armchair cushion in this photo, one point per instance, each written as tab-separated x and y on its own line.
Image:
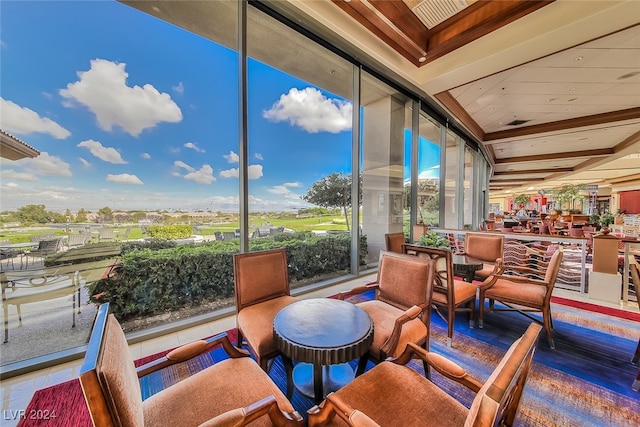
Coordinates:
252	321
384	316
525	293
118	377
207	394
427	401
462	291
485	271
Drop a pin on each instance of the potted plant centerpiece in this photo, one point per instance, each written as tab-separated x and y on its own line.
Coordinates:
433	240
606	220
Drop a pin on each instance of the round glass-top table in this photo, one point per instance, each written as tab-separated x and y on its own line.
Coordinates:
324	333
466	266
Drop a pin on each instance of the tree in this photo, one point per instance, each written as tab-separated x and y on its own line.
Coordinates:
105	213
33	214
81	215
333	191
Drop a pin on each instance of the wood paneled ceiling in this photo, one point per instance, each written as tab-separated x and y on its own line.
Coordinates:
557	111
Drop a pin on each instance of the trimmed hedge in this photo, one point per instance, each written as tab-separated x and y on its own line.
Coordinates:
168	232
154	281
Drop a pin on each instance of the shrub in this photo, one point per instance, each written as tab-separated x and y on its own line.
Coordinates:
153	281
169	232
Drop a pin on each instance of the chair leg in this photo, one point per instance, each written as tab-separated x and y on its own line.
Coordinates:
636	356
451	317
472	313
546	317
481	312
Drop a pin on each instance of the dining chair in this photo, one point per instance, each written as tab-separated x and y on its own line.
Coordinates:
394	241
393	394
486	247
261	281
523	294
399	309
232	392
449	294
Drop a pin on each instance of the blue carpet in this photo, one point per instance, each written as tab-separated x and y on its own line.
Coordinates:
585	381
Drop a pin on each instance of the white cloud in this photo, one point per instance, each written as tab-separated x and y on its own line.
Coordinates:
46	165
146	156
284	190
24	121
202	176
18	176
231	157
104	91
178	89
183	165
85	163
258	156
254	172
310	110
107	154
194	147
11	185
124	178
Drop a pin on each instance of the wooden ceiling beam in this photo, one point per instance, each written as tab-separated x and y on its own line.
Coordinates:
555	156
395	24
475	21
532	171
560	125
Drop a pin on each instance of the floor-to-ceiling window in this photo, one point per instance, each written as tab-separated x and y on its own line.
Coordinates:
452	180
429	171
385	121
468	187
299	149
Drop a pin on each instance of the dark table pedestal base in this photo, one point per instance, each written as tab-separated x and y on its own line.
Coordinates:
334	377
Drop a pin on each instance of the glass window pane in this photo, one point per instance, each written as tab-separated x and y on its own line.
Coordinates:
299	149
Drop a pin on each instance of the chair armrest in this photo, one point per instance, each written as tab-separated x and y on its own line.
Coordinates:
334	405
248	414
521	279
189	351
358	290
444	366
411	313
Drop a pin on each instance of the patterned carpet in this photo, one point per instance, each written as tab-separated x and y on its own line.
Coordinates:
585	381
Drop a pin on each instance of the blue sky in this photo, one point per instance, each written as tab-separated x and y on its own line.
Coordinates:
133	113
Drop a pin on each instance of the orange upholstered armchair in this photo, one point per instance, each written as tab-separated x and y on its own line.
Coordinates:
234	391
487	248
399	310
394	242
261	282
523	294
411	399
448	293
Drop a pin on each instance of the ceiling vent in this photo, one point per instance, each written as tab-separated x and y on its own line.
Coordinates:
517	122
431	13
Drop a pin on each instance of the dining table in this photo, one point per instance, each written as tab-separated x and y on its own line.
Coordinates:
466	266
322	335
